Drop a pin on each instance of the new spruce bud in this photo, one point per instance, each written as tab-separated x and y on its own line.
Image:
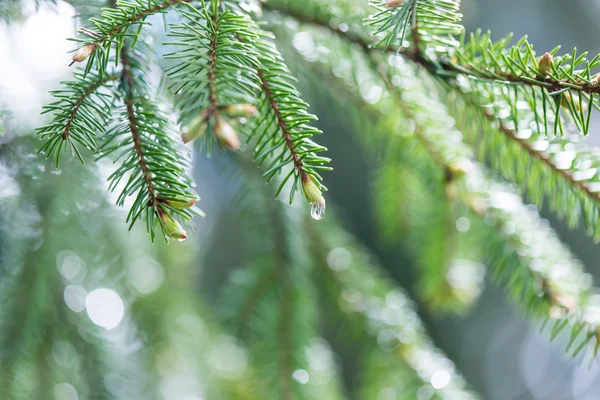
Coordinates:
545	64
225	133
240	110
460	168
173	229
315	198
84	52
196	128
394	3
182	203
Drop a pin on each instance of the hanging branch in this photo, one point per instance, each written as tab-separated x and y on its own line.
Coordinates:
81	111
111	29
567	164
282	132
147	149
214	75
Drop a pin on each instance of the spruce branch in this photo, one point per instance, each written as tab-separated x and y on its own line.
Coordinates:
571	185
432	23
149	153
111	29
80	112
129	84
282	133
214	79
566	84
574	307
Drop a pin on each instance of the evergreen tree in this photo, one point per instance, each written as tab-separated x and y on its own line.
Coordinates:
460	133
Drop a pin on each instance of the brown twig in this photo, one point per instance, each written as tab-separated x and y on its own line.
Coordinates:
129	103
132	20
298	164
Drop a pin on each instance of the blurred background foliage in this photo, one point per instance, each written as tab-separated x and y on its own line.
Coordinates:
262	302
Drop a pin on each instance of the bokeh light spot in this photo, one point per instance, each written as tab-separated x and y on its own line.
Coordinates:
75	297
65	391
301	376
105	308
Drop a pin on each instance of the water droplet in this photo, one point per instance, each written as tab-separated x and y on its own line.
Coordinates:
317	211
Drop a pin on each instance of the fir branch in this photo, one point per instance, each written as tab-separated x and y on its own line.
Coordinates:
77	106
434	23
566	83
282	133
283	127
129	84
80	112
571	186
148	152
111	29
574	191
483	196
208	90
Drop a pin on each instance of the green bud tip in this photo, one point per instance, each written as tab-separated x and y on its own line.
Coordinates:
173	229
312	192
240	110
195	128
226	135
460	168
545	64
84	52
183	203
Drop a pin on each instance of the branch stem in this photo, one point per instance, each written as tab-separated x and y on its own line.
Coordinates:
91	89
135	133
298	164
212	84
138	17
